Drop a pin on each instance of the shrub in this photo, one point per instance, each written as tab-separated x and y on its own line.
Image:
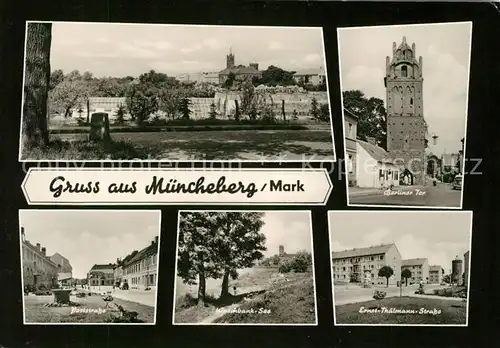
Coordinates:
299	263
378	295
285	267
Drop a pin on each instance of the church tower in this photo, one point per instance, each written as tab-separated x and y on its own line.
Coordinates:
230	59
406	126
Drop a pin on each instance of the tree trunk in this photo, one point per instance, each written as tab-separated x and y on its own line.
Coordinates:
387	285
283	110
36	84
237	111
201	289
225	285
88	111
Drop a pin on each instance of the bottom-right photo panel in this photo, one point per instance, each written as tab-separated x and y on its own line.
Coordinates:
400	268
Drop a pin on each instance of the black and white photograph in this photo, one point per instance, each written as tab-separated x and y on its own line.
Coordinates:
89	266
401	268
404	95
245	268
159	92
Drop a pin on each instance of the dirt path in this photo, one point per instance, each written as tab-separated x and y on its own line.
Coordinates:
219	312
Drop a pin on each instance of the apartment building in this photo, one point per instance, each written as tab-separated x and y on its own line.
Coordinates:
357	264
38	269
140	269
435	274
419	269
101	275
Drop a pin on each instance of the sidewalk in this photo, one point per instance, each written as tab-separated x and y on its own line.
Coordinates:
435	297
147	298
364	191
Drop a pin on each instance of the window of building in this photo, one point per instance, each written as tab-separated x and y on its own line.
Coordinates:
404	71
349	163
349	130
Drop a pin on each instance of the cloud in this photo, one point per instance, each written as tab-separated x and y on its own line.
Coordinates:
213	43
376	237
337	246
102	40
368	79
190	49
275	45
312	58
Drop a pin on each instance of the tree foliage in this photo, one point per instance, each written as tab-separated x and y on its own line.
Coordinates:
68	95
274	76
215	245
386	272
372	116
406	273
142	102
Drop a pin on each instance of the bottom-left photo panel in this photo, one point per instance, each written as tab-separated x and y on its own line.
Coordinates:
89	266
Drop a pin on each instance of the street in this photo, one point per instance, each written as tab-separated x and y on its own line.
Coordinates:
353	293
441	195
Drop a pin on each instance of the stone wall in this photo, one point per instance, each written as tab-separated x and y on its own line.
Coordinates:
300	102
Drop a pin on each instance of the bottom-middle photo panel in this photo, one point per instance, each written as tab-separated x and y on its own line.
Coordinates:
245	268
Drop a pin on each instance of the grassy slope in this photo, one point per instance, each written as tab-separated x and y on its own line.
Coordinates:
288	304
452	312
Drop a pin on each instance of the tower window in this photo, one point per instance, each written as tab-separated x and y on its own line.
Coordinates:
411	101
404	71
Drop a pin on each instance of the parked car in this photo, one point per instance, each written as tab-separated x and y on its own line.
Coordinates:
457	182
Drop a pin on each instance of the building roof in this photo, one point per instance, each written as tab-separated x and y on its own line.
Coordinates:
435	268
310	72
239	70
378	153
350	113
97	267
356	252
142	254
413	262
64	276
35	249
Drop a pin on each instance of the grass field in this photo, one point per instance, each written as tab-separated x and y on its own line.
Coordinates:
36	312
447	312
204	145
292	303
287	302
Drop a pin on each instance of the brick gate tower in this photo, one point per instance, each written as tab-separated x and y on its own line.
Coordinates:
406	126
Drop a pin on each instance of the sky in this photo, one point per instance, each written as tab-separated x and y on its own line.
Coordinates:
445	49
130	50
437	236
87	237
292	229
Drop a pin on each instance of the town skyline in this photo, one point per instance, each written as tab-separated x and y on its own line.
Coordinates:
88	237
445	49
180	49
439	237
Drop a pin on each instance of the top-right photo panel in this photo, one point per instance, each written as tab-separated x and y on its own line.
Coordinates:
404	94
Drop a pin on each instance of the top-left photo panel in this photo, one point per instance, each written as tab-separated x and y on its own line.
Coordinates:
174	93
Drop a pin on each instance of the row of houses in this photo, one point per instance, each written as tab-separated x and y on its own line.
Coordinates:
139	270
363	264
42	270
368	165
313	76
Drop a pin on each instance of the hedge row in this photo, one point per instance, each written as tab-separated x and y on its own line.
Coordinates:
77	130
